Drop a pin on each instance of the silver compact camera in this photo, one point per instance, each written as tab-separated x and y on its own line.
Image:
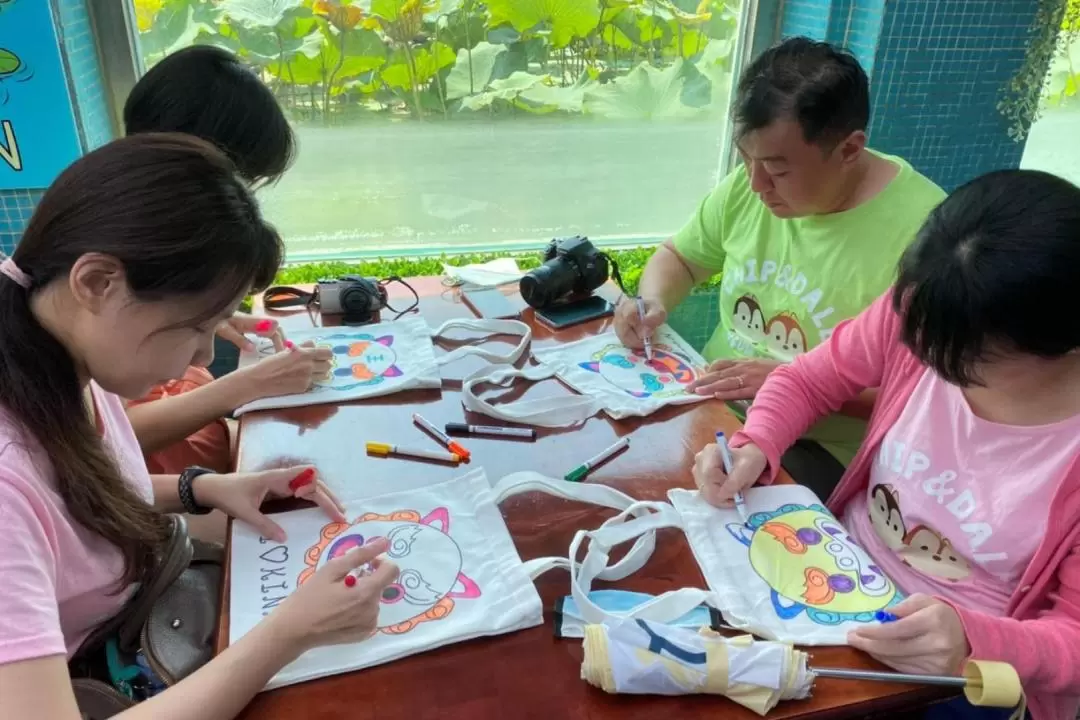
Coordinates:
358	299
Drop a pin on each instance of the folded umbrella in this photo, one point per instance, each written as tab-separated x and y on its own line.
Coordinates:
641	657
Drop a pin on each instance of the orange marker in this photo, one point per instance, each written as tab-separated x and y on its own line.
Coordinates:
442	437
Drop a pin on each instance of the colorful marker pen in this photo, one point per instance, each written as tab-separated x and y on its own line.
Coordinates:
466	429
385	449
646	338
588	466
353	575
725	456
441	437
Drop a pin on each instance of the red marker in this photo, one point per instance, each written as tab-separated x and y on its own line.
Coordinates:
290	345
264	326
362	571
304	479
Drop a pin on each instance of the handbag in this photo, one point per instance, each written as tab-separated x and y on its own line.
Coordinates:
170	620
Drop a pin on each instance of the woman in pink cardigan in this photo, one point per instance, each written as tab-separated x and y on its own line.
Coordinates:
967	489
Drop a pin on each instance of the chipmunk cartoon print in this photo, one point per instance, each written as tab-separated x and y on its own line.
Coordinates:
772	309
781	336
920	547
748	319
784	336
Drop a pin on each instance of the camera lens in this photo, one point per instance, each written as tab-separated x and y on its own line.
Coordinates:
548	283
355	300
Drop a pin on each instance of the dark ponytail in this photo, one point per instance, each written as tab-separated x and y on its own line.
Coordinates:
172	211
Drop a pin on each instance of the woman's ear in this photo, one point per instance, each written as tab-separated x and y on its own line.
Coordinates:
95	280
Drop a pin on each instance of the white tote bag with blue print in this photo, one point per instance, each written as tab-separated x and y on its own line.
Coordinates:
374	360
611	378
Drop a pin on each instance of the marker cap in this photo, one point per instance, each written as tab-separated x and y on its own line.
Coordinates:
459	428
458	450
576	474
380	449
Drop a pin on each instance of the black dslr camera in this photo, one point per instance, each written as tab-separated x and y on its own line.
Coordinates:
355	298
572	267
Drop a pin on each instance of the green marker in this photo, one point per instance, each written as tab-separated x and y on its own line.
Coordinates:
579	473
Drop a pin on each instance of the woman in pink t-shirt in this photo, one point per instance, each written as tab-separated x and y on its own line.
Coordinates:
133	257
967	489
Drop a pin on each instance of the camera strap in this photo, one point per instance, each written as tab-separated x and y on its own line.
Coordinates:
615	274
284	297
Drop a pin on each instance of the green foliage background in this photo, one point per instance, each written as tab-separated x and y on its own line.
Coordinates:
631	263
330	59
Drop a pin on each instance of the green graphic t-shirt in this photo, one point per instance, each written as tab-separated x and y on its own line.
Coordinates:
788	282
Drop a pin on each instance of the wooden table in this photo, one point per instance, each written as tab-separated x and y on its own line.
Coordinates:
528	674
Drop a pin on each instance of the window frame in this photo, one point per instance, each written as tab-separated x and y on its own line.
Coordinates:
113	23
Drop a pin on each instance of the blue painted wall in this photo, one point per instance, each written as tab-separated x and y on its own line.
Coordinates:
938	76
937	68
92	113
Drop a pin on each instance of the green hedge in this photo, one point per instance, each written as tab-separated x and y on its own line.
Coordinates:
630	262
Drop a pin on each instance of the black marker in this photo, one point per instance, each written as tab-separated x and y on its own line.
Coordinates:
466	429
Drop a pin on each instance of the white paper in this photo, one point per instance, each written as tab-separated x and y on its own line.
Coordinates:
501	271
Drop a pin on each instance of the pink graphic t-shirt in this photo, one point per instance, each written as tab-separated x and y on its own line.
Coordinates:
57	579
958	505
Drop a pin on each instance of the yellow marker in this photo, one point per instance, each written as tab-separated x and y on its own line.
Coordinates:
385	449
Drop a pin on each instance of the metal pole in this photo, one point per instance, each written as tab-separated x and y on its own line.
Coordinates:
946	680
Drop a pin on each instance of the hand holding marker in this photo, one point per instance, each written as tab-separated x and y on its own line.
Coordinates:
729	463
647	337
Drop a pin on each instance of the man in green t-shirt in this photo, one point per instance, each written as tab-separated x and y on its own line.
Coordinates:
807	232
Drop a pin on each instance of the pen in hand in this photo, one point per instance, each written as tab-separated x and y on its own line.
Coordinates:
647	335
725	457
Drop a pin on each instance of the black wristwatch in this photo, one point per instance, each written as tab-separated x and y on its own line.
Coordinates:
187	493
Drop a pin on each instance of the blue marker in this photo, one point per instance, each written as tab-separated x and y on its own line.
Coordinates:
885	617
725	456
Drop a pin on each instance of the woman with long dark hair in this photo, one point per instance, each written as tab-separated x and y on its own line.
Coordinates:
133	257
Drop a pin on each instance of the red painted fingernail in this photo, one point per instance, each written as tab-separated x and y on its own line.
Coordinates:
264	326
302	480
350	581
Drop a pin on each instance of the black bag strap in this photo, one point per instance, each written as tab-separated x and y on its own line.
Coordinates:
128	623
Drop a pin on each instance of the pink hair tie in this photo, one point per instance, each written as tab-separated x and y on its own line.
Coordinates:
9	268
